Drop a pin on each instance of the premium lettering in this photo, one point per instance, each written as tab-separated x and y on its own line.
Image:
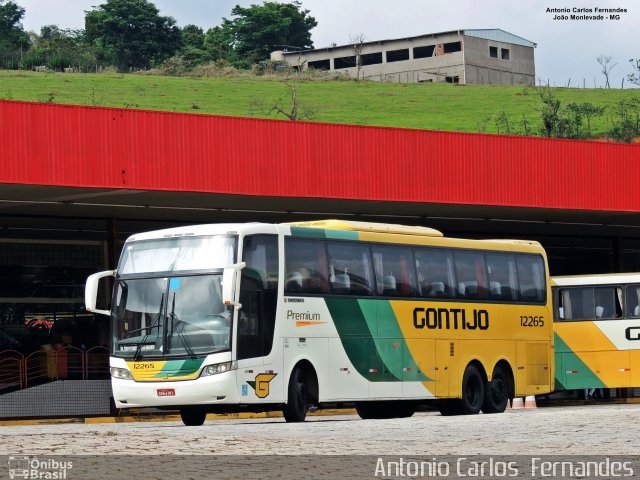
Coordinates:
291	315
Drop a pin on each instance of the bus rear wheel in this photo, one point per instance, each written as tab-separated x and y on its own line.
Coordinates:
193	417
295	410
472	391
496	392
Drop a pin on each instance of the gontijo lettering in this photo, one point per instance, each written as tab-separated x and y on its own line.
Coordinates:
632	333
450	318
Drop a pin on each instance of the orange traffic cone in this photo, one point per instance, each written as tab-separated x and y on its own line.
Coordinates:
530	402
517	403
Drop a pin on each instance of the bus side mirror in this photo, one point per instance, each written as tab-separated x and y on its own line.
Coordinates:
229	280
91	291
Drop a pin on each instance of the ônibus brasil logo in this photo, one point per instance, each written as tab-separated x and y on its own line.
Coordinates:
21	466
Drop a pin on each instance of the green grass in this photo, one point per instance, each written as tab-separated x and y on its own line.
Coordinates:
470	108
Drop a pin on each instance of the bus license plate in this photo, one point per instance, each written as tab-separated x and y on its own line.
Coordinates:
166	392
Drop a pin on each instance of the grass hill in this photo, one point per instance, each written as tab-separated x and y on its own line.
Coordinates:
466	108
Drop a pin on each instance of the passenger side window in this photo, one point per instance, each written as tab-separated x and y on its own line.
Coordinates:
306	267
608	302
501	270
393	267
531	277
470	275
577	304
350	271
435	272
633	301
260	253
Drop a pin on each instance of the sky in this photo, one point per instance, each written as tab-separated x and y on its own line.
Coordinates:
566	50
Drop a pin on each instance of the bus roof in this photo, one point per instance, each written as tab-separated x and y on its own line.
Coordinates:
369	231
597	279
369	227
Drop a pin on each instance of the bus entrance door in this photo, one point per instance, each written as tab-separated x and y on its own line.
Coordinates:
445	368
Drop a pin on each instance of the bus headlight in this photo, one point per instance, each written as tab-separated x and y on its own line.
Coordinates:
217	368
121	373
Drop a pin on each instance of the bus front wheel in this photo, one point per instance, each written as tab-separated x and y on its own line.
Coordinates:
193	417
472	391
295	410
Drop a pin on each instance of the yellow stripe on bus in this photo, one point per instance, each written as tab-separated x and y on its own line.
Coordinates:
583	336
591	345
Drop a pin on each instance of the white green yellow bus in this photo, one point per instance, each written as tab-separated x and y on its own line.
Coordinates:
258	317
597	331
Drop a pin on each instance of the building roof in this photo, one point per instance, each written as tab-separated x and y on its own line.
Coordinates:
127	157
494	34
498	35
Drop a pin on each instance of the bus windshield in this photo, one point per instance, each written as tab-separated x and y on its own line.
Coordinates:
174	316
178	254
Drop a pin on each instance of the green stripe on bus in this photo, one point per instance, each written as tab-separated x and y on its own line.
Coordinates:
390	342
388	349
307	232
341	234
322	233
567	360
357	338
176	368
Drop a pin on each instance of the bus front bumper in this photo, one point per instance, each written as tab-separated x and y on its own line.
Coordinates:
208	390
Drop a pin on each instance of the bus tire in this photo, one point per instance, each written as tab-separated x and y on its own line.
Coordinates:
295	410
367	410
496	392
193	417
472	391
405	411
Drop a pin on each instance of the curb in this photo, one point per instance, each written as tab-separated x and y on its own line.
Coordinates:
164	418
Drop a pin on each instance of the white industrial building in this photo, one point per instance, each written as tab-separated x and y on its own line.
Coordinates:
485	56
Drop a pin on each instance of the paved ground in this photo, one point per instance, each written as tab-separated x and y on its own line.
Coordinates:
593	429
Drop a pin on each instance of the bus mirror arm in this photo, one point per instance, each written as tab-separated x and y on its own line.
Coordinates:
91	291
229	281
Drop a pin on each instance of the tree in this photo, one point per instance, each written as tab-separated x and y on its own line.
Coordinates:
553	125
584	110
607	66
13	38
576	113
193	50
626	123
58	48
565	120
219	43
357	44
259	29
131	33
634	77
293	111
193	36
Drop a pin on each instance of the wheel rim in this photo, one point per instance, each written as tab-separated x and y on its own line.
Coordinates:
498	390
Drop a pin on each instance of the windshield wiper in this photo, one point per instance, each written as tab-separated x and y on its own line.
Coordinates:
151	327
154	324
179	328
